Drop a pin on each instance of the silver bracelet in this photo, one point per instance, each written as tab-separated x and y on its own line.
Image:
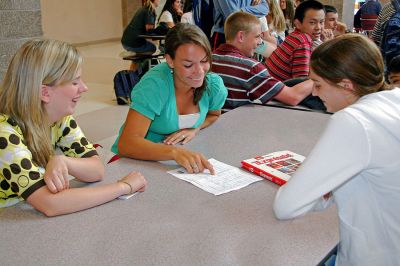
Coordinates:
127	184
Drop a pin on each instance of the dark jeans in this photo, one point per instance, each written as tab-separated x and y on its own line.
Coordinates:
147	47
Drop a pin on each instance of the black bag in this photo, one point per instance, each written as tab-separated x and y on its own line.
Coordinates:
162	29
124	81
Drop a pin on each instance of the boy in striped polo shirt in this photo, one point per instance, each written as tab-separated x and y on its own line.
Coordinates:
291	59
246	79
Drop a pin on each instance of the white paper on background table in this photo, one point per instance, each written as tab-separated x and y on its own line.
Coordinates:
226	178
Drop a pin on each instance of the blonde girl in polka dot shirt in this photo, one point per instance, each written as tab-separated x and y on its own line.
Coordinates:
39	93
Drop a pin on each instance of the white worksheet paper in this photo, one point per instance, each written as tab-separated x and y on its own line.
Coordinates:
227	178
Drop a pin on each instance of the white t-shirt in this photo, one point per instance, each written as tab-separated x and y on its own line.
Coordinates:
188	18
356	159
166	16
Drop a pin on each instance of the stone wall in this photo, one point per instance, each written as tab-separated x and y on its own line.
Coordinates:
129	8
20	21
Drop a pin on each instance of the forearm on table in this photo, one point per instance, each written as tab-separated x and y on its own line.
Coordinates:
137	147
210	119
292	95
302	90
75	199
86	169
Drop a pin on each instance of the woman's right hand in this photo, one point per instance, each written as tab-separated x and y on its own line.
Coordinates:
136	180
193	162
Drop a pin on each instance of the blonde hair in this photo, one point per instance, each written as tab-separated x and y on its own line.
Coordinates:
149	5
239	21
38	62
353	57
278	19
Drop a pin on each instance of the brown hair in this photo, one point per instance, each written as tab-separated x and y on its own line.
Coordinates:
239	21
353	57
184	33
288	12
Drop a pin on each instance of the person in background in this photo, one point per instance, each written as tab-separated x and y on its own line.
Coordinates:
350	165
393	71
291	59
331	21
288	9
276	21
39	93
142	22
187	16
172	102
248	80
370	7
203	10
331	17
268	42
386	13
222	10
171	13
298	2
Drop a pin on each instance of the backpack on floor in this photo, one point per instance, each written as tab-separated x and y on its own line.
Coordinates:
124	81
390	44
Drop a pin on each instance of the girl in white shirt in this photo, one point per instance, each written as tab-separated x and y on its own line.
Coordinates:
355	163
171	13
187	16
276	21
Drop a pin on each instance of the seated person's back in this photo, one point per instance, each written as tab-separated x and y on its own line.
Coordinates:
370	7
142	22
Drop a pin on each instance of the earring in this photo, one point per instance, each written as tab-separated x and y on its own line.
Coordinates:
172	71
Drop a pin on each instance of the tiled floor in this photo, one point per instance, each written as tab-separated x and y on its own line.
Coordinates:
97	113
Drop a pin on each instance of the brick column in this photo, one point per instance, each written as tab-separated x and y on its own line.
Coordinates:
20	21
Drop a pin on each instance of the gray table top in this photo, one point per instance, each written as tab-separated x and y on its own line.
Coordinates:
176	223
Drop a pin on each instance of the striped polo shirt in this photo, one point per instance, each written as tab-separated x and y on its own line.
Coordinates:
246	79
292	58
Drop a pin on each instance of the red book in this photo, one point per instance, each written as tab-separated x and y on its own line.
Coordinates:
276	167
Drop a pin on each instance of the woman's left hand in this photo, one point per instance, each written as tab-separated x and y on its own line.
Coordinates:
56	174
183	136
